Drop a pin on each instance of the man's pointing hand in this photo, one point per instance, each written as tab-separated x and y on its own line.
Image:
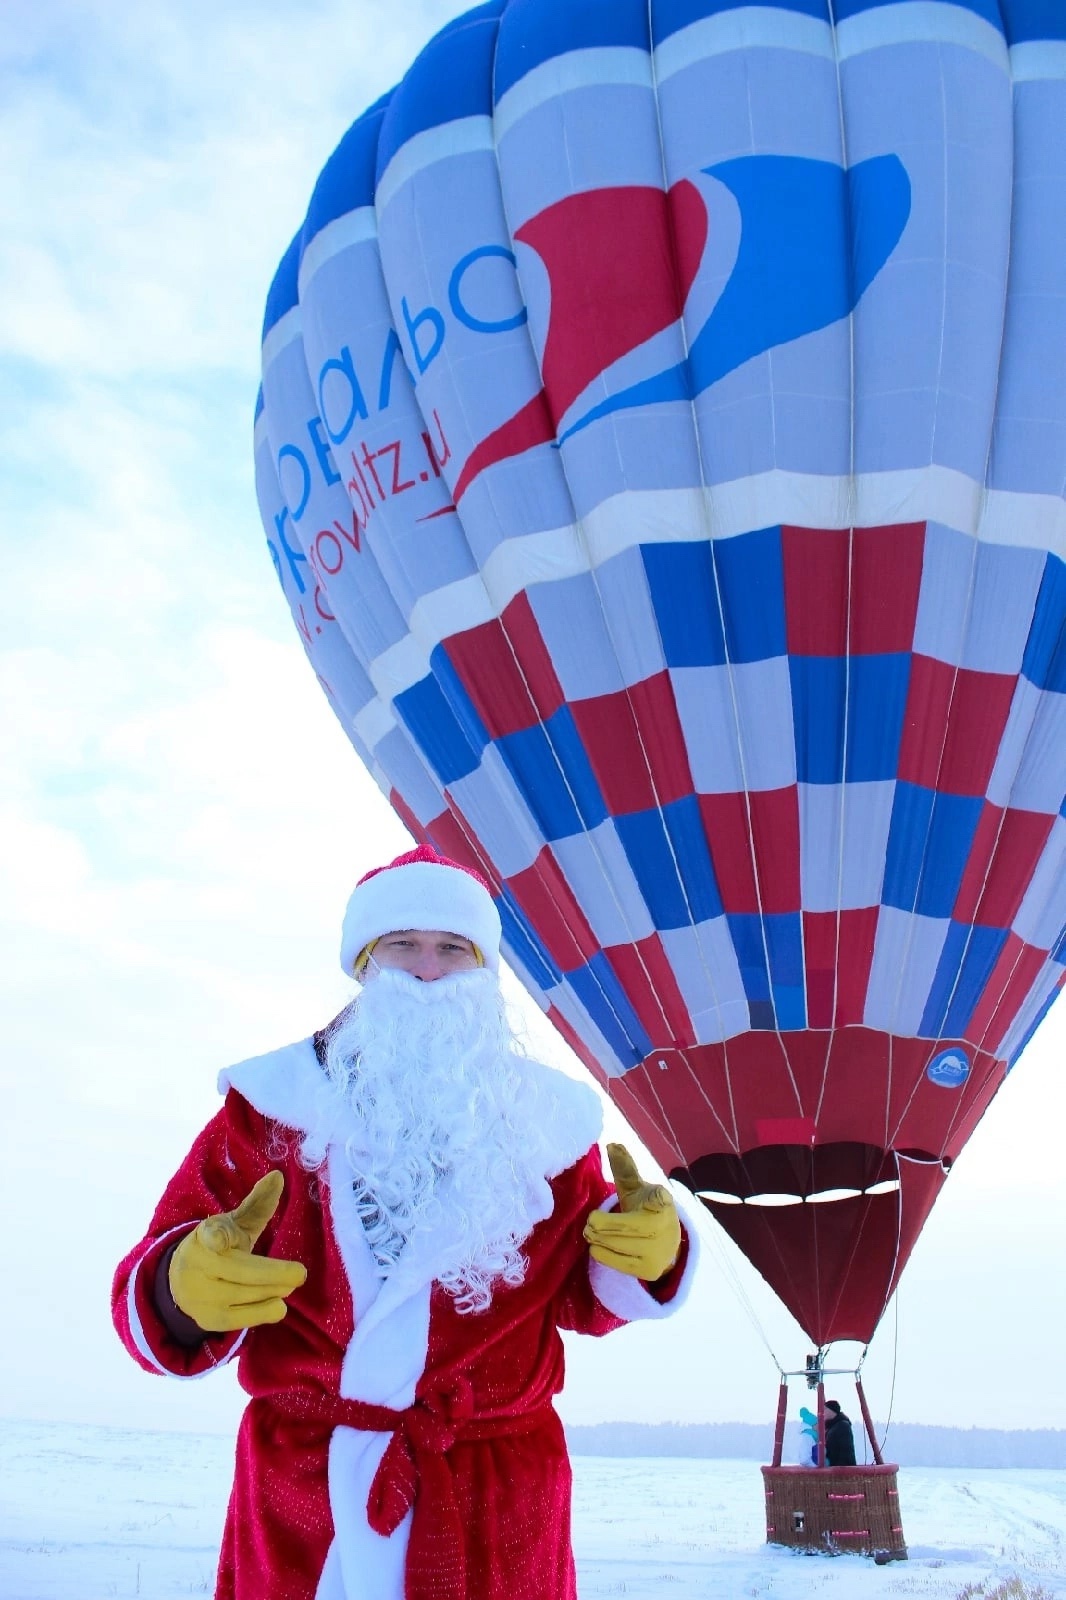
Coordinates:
217	1281
643	1237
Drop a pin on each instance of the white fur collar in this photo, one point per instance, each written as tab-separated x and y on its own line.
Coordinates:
284	1085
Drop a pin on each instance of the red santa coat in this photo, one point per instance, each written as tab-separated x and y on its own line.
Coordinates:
392	1446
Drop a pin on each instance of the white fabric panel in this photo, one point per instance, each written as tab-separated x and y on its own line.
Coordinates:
1049	977
577	69
745	28
623	587
1038	785
572	1011
932	21
705	707
976	601
704	963
598	871
907	949
464	137
842	852
489	799
764	696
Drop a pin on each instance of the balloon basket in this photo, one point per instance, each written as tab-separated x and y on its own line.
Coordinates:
835	1509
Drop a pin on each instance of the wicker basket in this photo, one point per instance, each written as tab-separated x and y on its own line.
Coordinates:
835	1509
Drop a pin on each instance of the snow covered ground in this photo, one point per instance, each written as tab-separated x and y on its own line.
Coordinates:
95	1513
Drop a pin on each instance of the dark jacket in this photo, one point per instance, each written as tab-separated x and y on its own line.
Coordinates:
839	1440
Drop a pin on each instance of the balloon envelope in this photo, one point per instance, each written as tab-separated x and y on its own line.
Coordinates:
662	451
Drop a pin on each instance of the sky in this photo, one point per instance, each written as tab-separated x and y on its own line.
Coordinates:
182	819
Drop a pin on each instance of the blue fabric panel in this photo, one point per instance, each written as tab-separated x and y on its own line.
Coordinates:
776	994
818	716
751	577
1026	20
874	691
1044	661
929	841
282	295
647	846
685	827
459	701
452	78
685	598
258	405
523	941
348	179
988	9
747	934
597	987
964	968
534	32
549	764
877	701
784	936
669	16
425	712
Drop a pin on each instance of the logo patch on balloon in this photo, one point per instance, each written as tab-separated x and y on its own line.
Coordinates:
800	266
949	1070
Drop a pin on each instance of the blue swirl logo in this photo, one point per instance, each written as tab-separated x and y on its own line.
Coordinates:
950	1069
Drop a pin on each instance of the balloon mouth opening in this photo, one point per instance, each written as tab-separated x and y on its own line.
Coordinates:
820	1197
775	1176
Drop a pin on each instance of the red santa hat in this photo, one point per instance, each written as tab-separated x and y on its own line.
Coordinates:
421	891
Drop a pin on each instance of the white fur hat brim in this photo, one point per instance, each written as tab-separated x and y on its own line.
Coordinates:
420	896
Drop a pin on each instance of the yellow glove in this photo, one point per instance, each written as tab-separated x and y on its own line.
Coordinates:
216	1280
643	1237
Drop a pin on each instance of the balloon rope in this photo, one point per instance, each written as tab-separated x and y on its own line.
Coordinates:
708	1232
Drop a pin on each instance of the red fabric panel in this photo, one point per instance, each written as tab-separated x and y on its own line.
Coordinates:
544	896
832	1264
816	590
452	836
921	1114
624	732
1006	847
614	282
648	980
1011	978
886	577
407	816
875	573
506	670
953	726
785	1130
838	949
771	831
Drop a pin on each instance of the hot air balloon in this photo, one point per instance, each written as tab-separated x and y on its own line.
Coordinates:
661	447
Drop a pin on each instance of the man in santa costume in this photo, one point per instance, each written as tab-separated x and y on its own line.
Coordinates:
388	1224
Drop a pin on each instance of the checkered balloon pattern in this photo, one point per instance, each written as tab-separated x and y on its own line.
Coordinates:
661	449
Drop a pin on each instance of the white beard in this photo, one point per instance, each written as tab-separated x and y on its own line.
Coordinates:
438	1115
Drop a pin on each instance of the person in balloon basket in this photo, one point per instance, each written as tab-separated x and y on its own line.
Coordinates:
839	1438
387	1225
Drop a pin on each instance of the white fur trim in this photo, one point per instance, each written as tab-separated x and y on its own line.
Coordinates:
283	1084
422	896
626	1296
139	1333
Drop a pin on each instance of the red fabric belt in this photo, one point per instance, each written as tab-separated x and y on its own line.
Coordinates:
415	1472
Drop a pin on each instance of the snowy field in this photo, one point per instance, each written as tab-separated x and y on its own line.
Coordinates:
100	1514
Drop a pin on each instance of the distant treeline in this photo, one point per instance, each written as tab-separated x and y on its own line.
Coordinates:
911	1444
